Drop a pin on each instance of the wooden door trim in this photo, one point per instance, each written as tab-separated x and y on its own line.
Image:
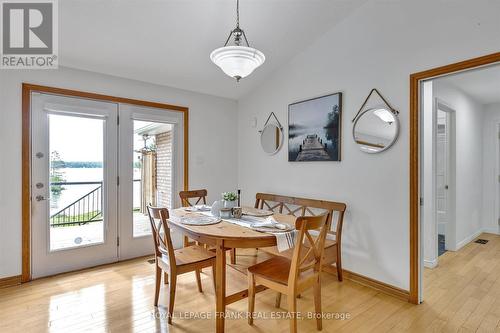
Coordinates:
27	89
415	80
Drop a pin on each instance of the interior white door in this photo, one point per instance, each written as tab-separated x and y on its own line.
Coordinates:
151	146
74	183
442	170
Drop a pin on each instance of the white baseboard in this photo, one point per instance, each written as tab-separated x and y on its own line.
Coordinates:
434	263
494	231
430	263
469	239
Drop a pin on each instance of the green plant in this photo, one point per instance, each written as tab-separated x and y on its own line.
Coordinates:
229	196
56	174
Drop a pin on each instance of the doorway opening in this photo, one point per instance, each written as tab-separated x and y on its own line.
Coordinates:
445	188
438	174
453	174
152	171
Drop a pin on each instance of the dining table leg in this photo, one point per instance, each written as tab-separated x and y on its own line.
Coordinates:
220	276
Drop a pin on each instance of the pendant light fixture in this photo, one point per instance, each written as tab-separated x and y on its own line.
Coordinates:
237	61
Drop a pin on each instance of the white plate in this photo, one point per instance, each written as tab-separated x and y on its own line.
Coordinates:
257	212
199	220
199	208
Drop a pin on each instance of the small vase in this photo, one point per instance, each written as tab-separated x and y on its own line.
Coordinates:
229	204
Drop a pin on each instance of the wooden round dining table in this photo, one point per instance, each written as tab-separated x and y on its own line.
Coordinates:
223	236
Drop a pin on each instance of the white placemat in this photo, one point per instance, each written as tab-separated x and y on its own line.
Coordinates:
284	239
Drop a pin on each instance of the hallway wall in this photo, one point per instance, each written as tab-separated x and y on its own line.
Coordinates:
469	160
491	168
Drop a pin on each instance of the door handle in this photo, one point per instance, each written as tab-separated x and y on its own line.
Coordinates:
40	198
446	187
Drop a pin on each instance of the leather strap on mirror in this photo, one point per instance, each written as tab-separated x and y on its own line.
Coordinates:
396	112
273	115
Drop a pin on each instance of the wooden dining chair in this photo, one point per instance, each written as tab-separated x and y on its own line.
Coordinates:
201	198
310	207
196	197
175	262
199	195
293	276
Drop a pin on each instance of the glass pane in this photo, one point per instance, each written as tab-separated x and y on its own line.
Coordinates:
76	181
152	175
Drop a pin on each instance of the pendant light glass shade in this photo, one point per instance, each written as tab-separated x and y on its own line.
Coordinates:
237	61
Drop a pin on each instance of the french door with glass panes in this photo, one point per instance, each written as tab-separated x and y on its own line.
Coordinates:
93	177
150	171
73	183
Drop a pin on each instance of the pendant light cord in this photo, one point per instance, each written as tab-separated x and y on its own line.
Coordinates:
237	32
237	13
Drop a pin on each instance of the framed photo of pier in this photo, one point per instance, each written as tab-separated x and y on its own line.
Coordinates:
314	129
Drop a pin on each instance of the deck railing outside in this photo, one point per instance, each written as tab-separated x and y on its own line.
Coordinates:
86	209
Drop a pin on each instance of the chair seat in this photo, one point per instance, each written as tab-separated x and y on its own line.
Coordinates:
276	269
190	255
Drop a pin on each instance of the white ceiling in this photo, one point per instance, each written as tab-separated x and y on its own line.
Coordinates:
481	84
168	42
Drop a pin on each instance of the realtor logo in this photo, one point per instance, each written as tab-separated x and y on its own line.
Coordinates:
29	34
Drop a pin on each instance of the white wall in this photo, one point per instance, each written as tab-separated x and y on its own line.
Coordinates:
212	140
379	45
491	171
468	161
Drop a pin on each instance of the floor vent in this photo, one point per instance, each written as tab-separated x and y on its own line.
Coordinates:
151	261
481	241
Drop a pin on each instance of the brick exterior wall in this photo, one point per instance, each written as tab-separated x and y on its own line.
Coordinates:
164	169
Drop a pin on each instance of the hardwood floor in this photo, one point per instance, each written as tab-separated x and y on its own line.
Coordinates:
462	295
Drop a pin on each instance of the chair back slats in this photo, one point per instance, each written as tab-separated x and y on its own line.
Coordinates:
311	259
163	243
304	207
199	195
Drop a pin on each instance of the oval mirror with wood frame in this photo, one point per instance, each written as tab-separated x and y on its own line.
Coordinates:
375	129
271	138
